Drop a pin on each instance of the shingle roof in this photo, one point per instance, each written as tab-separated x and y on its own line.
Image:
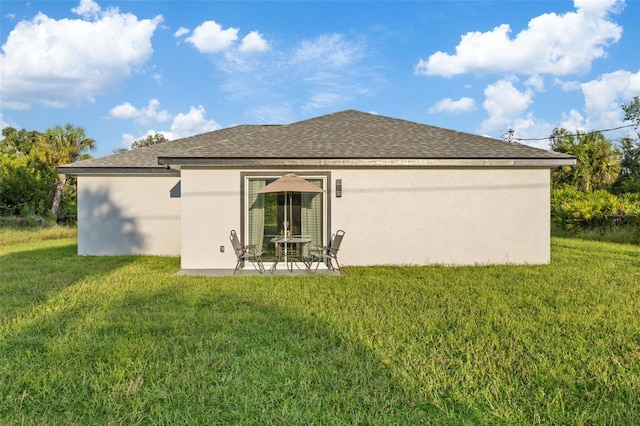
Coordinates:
347	135
147	157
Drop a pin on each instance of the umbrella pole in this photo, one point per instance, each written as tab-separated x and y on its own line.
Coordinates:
286	225
290	219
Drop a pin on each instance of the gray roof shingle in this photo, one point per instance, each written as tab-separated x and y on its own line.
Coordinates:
147	157
346	135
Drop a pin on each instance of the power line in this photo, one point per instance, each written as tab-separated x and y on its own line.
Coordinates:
511	138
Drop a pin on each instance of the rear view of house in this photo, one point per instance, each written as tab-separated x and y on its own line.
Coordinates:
406	193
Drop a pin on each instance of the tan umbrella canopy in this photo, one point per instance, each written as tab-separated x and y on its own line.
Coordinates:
290	182
287	184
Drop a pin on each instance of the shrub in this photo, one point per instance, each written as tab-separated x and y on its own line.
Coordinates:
628	185
24	187
574	210
30	221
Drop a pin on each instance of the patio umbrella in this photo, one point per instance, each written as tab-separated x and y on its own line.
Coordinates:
288	184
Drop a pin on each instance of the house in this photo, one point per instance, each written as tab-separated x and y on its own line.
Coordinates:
405	193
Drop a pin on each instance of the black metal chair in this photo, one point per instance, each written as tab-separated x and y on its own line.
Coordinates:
247	252
329	253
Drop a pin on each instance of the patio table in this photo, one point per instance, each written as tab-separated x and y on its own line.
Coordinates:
295	251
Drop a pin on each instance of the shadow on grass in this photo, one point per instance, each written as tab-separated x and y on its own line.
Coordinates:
194	354
31	277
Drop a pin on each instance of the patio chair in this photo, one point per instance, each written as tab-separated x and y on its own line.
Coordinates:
247	252
328	254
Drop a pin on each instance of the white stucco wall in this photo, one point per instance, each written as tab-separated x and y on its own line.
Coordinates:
443	216
210	210
393	216
130	214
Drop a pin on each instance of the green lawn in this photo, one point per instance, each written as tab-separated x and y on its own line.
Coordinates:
122	340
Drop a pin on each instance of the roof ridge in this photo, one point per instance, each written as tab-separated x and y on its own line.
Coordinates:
325	116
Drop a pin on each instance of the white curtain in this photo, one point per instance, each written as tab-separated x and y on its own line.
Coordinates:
256	213
311	215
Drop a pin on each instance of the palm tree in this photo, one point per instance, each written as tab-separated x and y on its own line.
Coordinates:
58	146
604	160
597	160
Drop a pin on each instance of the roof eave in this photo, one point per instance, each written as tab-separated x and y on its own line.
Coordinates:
71	170
367	162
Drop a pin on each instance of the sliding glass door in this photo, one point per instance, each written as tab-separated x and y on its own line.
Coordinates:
265	213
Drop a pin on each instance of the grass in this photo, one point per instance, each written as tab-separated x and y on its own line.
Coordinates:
122	340
624	234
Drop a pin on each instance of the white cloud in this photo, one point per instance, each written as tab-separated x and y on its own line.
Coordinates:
464	104
124	111
191	123
83	59
183	125
552	44
331	70
609	89
273	113
573	121
604	96
320	73
507	107
209	37
87	9
143	115
128	140
181	31
535	81
322	100
253	42
529	129
567	86
332	50
600	7
6	123
505	104
157	77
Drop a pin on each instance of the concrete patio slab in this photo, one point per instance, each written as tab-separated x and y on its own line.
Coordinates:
252	272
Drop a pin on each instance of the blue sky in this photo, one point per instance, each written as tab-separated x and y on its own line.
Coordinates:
125	69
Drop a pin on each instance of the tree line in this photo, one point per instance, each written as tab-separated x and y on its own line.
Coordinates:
30	187
602	190
29	184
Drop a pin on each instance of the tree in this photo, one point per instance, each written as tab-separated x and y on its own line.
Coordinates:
17	142
632	111
149	140
629	180
630	159
24	181
24	187
598	162
58	146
